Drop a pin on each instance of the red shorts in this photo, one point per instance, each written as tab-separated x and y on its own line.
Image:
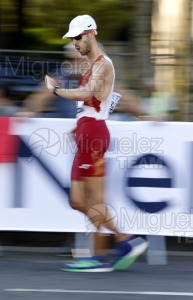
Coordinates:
92	139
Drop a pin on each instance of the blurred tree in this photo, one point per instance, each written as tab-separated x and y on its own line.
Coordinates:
39	24
171	36
20	4
143	31
12	23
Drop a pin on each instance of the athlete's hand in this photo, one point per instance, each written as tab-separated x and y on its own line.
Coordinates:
51	83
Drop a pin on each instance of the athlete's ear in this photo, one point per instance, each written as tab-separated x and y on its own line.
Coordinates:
92	33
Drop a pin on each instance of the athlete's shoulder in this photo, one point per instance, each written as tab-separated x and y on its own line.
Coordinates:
104	63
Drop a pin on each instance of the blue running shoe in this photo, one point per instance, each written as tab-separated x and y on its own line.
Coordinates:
90	264
128	251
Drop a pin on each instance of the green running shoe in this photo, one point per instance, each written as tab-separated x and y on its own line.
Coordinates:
90	264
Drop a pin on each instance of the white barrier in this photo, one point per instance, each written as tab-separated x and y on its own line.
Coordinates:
148	184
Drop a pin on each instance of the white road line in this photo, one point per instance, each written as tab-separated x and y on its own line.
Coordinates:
154	293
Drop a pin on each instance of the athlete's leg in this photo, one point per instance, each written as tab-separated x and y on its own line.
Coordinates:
77	191
78	196
82	200
127	250
82	191
85	194
95	188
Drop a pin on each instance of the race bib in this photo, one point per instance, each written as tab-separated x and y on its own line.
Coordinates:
79	107
114	100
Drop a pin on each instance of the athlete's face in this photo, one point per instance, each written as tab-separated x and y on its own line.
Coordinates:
82	43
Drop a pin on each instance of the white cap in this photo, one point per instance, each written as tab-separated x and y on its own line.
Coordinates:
80	24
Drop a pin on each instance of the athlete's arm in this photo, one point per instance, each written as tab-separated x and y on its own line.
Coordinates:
94	86
79	94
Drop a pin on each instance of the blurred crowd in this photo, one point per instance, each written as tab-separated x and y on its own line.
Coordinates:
150	102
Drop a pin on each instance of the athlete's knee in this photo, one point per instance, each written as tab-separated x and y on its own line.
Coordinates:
78	205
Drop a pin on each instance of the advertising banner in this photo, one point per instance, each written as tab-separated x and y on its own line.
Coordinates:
148	187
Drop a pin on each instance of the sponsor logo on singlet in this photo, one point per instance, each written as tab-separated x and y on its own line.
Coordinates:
85	166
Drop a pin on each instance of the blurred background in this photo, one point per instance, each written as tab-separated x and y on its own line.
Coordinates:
145	39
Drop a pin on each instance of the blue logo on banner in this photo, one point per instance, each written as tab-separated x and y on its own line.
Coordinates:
164	182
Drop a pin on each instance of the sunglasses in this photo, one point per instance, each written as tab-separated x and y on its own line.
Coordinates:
79	37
